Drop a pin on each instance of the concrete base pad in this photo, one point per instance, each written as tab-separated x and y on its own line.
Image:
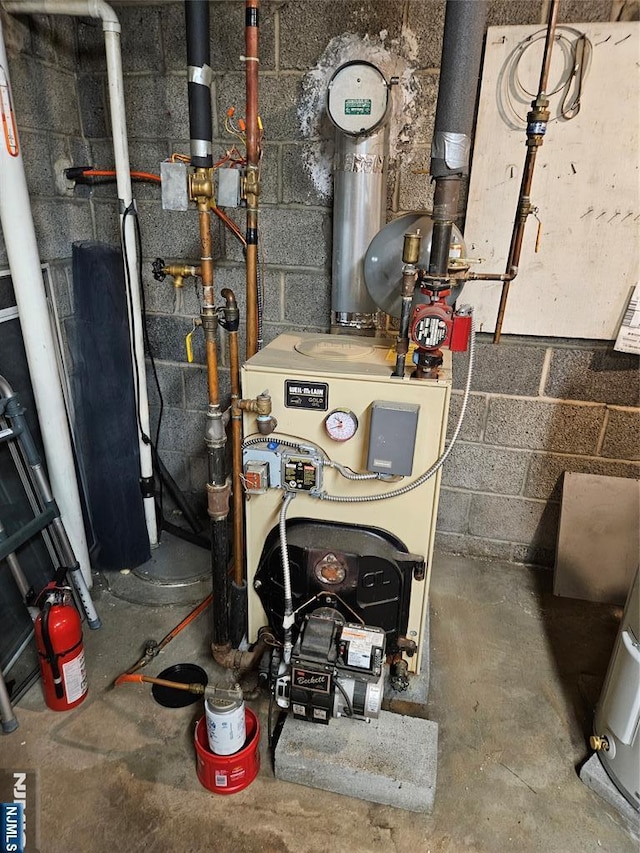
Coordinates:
391	760
595	777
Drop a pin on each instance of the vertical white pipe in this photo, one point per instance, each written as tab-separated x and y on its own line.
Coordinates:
111	27
125	197
24	261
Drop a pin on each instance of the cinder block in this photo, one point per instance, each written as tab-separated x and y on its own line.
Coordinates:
503	13
622	437
177	465
59	224
107	219
169	234
278	107
298	186
307	299
93	105
53	38
511	368
227	42
296	237
196	388
38	161
170	379
485	469
391	760
416	186
91	55
44	97
167	335
473	546
531	424
474	418
233	277
305	30
514	520
182	431
141	43
425	21
453	511
544	477
156	106
598	375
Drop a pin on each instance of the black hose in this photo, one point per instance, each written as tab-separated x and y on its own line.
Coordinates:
199	81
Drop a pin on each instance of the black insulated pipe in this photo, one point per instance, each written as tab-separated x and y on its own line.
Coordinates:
464	26
220	576
199	82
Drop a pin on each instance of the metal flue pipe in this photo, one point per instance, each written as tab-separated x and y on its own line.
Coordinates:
201	190
252	181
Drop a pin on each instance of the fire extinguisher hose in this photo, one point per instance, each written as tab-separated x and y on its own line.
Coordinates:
52	657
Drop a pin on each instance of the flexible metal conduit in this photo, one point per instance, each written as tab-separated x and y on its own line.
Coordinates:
111	28
437	464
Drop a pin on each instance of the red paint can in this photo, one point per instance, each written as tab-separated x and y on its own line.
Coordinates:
228	774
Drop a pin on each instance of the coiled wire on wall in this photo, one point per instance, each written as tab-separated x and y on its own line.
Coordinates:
437	464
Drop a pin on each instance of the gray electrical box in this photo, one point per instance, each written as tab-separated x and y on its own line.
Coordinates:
392	437
228	188
175	189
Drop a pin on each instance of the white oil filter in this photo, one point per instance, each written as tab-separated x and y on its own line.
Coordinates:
226	727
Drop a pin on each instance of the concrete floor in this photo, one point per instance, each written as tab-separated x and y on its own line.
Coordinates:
514	674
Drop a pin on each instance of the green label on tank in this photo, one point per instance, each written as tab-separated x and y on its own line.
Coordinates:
357	107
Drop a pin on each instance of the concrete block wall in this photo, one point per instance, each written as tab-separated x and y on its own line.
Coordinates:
539	407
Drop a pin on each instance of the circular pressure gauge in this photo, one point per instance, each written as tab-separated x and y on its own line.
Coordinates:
341	424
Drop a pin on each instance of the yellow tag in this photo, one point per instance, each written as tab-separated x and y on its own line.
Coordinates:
391	354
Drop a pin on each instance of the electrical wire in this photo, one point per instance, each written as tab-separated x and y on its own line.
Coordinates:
110	173
286	576
345	697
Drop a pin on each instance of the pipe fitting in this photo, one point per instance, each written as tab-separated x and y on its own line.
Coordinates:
210	320
266	424
201	186
231	320
214	434
235	660
218	501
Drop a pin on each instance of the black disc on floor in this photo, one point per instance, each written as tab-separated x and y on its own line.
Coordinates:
185	673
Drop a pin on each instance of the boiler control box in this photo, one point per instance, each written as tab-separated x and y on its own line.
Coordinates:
392	437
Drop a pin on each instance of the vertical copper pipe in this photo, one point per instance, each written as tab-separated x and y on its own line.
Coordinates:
534	141
208	298
252	187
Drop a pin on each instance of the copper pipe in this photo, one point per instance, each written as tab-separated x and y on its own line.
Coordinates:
534	141
252	183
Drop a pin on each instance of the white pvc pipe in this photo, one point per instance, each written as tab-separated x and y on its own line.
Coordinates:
111	27
26	273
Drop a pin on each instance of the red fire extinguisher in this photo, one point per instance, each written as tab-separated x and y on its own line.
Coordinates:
58	631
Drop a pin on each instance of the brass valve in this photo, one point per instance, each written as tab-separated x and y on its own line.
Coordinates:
201	185
176	271
188	341
598	743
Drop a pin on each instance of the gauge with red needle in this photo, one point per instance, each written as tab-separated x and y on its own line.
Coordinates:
341	424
